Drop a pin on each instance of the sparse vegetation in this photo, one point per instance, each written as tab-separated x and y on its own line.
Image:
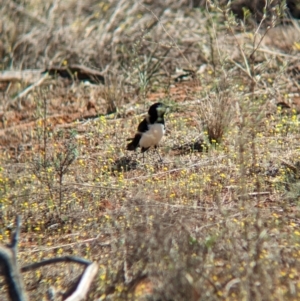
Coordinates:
219	218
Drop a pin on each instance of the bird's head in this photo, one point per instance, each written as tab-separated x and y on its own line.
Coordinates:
158	109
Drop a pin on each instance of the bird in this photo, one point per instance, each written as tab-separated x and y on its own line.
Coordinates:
150	131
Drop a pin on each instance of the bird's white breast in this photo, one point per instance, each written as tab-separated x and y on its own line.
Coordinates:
153	135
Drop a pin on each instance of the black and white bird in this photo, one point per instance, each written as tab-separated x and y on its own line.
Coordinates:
151	130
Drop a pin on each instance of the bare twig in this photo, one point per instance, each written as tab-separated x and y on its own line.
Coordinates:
9	268
276	53
259	193
16	236
84	283
8	264
37	265
12	275
160	174
29	76
107	243
30	88
92	186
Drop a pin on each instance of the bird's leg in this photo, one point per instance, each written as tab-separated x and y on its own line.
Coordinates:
143	151
160	158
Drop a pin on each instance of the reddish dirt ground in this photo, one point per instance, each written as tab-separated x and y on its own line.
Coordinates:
19	119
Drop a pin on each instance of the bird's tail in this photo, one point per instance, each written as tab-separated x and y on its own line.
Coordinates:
133	145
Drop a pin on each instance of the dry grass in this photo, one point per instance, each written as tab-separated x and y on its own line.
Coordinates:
220	224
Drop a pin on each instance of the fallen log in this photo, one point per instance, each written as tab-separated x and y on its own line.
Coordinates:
72	72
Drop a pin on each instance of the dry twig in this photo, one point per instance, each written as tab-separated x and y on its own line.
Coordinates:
10	270
8	264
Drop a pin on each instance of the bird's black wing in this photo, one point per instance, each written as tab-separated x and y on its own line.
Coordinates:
135	142
143	126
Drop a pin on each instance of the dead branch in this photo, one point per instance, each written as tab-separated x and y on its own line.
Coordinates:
77	72
84	283
31	87
15	236
34	76
9	267
37	265
11	274
79	290
26	76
